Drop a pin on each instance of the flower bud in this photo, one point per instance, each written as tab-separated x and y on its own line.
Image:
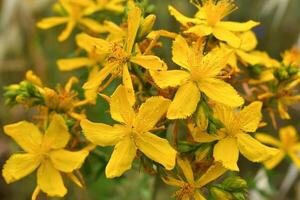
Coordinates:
147	25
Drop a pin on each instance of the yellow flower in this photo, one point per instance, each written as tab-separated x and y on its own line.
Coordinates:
132	134
189	186
45	153
288	145
120	56
199	74
75	15
233	138
110	5
208	21
291	57
245	52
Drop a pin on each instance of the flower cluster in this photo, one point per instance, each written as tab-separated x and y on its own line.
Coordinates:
186	121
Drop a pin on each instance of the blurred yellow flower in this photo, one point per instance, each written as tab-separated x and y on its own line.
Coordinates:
76	14
200	74
189	187
43	152
132	134
208	21
287	145
233	138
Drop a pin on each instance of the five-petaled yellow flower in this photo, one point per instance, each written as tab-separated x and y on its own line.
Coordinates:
233	138
208	21
120	56
43	152
76	14
200	74
288	145
132	134
189	187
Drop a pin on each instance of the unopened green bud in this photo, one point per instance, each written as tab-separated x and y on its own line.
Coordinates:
201	119
239	196
292	70
202	153
234	183
281	74
184	147
218	193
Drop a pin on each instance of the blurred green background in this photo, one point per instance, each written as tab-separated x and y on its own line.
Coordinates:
23	47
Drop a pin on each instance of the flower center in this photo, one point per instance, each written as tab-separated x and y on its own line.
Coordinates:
216	11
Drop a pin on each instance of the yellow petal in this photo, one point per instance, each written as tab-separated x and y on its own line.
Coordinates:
237	26
172	181
283	110
186	169
185	101
67	161
213	62
157	149
67	31
296	159
102	134
227	116
202	137
212	173
50	180
149	62
51	21
226	151
93	25
267	139
56	135
249	41
100	76
92	94
120	107
150	113
170	78
288	135
221	92
198	196
180	17
253	150
121	158
250	116
227	36
181	52
128	85
250	58
200	30
26	134
19	166
70	64
92	44
275	160
134	19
